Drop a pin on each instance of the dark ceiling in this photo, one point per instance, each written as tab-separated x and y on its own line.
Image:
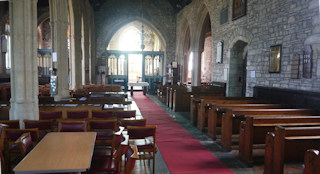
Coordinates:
176	4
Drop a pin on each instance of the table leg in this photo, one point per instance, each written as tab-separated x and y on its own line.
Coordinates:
144	90
131	90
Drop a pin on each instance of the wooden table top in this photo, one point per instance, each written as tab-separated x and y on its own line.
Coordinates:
60	152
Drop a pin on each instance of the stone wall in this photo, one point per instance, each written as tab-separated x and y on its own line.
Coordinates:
291	23
114	14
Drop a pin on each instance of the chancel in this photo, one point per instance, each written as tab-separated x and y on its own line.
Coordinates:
159	86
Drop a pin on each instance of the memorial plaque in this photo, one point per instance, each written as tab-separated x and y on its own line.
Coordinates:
295	64
307	62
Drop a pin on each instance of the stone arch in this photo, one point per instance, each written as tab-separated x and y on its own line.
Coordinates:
237	53
109	34
183	47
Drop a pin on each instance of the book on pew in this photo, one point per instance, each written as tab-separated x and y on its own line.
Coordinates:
113	106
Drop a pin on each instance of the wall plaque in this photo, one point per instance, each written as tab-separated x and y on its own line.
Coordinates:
224	16
219	52
295	64
307	62
239	9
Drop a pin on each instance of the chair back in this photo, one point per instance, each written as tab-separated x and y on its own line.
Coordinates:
139	122
125	114
131	156
78	114
11	135
96	125
137	132
2	135
40	124
102	114
12	124
25	143
72	126
46	115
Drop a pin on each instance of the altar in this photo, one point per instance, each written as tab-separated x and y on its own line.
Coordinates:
144	86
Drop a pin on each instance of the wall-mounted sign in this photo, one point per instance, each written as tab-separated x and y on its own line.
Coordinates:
219	52
53	85
307	62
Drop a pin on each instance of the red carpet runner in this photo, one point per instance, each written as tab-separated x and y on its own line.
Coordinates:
182	153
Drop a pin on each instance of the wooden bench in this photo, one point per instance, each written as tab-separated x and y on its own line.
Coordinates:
254	129
311	162
205	106
216	111
231	119
195	102
287	145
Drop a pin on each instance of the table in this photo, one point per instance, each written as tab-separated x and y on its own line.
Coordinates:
59	152
143	84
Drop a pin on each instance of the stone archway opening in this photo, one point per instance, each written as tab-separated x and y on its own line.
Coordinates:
206	55
238	69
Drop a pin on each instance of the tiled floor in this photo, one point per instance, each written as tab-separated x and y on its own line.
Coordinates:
228	158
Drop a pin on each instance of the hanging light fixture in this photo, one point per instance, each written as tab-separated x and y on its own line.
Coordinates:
142	29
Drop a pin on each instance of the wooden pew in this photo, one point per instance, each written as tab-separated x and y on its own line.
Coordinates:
254	129
199	101
204	107
205	103
230	122
287	145
216	111
194	102
311	162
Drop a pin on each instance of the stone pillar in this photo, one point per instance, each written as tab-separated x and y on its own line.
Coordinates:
59	28
196	68
85	43
75	44
92	48
24	71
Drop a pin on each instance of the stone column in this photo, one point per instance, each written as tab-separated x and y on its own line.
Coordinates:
196	68
59	28
85	43
92	48
24	71
75	43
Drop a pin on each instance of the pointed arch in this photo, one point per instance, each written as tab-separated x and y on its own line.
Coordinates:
110	33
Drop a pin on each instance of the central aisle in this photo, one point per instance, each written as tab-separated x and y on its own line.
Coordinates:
182	153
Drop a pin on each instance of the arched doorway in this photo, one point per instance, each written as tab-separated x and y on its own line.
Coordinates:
238	69
206	56
135	54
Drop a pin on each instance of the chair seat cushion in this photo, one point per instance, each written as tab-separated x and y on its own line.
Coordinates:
101	153
142	144
106	135
102	166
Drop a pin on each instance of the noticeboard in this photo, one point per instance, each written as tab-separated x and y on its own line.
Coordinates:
53	85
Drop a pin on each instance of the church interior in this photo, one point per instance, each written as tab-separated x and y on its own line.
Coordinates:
160	86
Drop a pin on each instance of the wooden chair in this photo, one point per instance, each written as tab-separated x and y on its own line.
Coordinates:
140	122
104	129
83	115
145	140
131	157
51	115
72	126
102	152
125	114
12	148
12	124
103	115
44	126
110	165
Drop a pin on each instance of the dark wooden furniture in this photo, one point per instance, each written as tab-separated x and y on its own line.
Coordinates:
232	118
254	129
311	162
288	144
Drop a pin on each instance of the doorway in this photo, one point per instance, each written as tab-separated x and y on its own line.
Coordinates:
135	69
238	70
